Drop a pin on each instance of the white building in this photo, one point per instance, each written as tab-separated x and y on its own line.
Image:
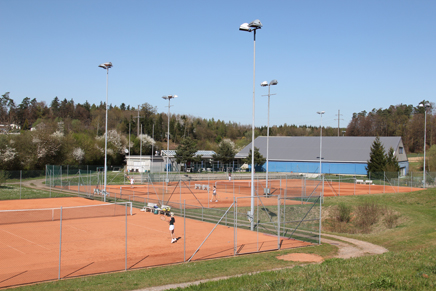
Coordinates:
143	164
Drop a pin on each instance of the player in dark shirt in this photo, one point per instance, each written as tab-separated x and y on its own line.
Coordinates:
172	221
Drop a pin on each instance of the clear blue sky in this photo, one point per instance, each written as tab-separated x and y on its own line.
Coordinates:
326	55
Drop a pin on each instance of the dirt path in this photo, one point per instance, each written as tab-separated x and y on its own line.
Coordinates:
347	248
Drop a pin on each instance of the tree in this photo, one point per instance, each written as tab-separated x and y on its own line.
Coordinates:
377	160
392	167
259	160
226	152
186	150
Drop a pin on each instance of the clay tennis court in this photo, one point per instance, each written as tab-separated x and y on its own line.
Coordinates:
227	191
31	251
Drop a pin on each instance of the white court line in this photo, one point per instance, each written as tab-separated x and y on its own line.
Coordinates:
16	249
148	228
13	248
26	239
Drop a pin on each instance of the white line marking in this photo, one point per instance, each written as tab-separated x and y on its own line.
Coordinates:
26	239
16	249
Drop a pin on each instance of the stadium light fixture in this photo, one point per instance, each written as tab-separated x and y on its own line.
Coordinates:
425	106
106	66
249	27
169	97
264	84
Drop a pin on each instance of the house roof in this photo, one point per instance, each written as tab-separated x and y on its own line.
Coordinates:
334	149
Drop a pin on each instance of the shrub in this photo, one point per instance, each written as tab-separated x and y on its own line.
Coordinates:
344	212
339	218
391	218
367	214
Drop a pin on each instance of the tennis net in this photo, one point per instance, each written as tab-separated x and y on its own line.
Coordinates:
71	212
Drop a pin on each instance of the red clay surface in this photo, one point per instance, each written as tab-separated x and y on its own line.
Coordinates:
30	252
301	257
227	191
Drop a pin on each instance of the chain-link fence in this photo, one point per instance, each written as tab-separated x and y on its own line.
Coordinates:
248	216
275	221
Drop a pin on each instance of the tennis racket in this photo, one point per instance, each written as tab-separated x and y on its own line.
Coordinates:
163	217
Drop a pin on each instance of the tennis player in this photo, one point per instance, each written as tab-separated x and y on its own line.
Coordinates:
132	181
214	194
172	221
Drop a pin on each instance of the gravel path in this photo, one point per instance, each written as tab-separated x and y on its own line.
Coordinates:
347	248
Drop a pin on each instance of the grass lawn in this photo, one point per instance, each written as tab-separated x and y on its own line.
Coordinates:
410	263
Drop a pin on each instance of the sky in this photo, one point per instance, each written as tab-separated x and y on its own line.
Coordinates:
326	56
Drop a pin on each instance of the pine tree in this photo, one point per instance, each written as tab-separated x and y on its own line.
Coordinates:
377	160
185	152
259	160
225	153
392	167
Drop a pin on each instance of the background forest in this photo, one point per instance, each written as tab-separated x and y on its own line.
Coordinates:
67	133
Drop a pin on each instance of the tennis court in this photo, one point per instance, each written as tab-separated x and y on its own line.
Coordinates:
103	237
199	193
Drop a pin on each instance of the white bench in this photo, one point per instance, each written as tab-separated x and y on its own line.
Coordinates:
149	207
359	181
205	187
368	182
197	186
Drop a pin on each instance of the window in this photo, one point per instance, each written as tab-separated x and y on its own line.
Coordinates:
401	150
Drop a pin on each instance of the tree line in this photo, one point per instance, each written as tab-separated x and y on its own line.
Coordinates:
402	120
65	132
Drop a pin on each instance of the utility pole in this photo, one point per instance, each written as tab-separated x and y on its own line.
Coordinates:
138	122
339	119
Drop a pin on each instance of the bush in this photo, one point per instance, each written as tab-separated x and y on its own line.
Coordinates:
367	214
344	212
391	218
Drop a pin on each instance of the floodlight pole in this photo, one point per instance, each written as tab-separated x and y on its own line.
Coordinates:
264	84
252	135
169	97
152	149
106	66
253	26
